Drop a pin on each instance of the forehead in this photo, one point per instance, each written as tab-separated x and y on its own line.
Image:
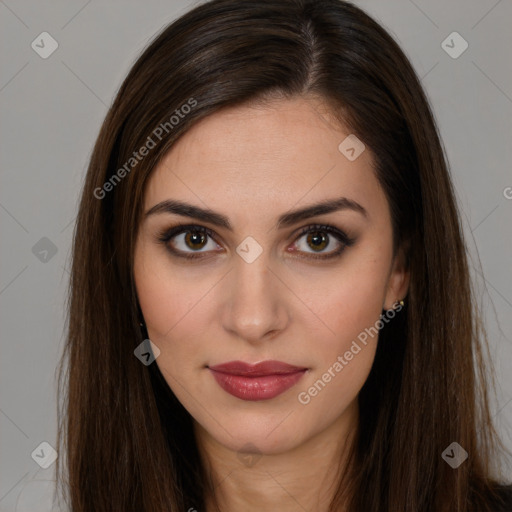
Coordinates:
264	157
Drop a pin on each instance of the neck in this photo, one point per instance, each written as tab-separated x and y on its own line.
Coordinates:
303	478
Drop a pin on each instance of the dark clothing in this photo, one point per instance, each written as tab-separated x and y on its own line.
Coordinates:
505	493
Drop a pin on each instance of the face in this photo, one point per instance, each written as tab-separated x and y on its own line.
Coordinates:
246	279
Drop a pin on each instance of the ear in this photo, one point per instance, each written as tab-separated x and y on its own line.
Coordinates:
398	282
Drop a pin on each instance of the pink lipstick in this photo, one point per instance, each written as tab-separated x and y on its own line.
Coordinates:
253	382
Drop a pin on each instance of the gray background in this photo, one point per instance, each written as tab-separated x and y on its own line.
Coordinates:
51	112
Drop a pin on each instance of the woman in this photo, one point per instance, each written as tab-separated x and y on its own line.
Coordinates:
268	202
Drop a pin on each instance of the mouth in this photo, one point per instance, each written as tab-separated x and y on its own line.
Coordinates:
254	382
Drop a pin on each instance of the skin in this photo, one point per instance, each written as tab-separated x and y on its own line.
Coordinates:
252	164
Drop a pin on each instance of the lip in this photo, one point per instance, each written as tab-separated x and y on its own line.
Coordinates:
254	382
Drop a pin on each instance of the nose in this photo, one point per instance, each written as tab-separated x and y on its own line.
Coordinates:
256	308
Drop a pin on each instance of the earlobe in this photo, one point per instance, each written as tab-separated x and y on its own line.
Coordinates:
398	283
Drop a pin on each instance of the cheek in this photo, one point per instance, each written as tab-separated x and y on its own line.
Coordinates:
176	306
342	360
164	294
349	308
159	305
347	302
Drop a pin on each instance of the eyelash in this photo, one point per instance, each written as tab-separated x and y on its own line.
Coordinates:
165	236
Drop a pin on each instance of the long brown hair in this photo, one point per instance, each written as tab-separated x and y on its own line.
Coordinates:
127	441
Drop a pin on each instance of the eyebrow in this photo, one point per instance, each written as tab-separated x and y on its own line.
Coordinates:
287	219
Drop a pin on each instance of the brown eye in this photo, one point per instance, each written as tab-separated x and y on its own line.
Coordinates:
318	237
317	240
189	241
195	239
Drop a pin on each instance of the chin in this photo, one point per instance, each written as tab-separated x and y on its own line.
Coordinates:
264	433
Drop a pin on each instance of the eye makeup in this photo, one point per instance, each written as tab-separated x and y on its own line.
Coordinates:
166	236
